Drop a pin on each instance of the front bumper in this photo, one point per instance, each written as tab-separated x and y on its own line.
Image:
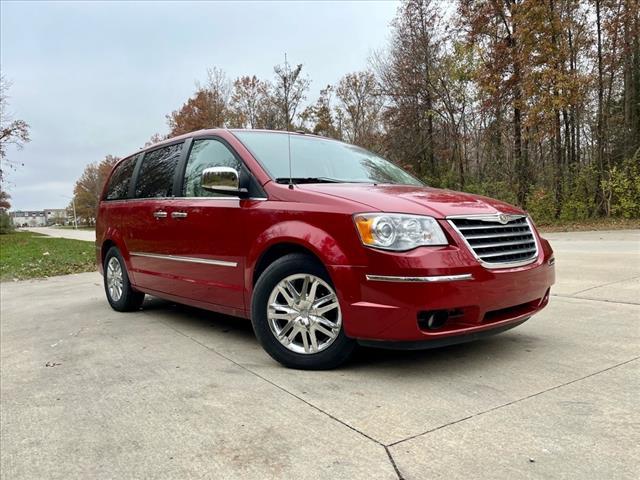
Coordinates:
441	342
386	300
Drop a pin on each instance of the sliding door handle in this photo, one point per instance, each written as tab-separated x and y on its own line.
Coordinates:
160	214
179	214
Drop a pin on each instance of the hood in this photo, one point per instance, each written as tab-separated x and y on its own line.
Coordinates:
414	200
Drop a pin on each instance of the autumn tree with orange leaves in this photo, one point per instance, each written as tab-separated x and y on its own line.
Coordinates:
89	187
535	103
251	104
208	108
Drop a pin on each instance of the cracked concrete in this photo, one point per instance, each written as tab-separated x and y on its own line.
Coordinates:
175	392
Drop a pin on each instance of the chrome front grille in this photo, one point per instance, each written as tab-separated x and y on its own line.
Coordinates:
498	241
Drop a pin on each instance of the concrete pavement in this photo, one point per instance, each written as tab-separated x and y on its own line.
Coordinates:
175	392
87	235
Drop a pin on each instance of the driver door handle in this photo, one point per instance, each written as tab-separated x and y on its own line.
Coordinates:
179	214
160	214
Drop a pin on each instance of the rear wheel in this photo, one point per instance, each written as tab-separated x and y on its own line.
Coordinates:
296	315
117	286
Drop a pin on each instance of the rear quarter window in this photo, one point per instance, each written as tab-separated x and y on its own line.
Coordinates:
119	182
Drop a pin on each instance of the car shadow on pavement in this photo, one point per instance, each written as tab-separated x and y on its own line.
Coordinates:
502	347
196	318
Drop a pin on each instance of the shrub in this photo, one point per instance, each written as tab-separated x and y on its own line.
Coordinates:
6	226
541	205
622	188
575	209
499	190
579	194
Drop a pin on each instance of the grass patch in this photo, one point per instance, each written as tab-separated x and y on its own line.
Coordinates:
29	255
595	224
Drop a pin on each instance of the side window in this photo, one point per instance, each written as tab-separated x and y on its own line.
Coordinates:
155	178
118	188
204	154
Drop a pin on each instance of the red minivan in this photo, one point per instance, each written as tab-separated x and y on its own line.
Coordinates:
323	245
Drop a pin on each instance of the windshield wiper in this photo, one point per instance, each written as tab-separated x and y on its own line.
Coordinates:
309	180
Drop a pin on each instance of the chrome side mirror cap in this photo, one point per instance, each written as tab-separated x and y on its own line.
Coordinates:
224	180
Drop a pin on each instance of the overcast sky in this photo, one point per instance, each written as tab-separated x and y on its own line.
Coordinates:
98	78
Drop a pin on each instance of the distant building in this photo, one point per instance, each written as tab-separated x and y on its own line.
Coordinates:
29	218
40	218
56	216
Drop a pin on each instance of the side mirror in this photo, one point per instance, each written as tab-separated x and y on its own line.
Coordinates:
222	180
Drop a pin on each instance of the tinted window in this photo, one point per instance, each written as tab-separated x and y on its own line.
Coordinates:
205	154
119	183
155	178
313	157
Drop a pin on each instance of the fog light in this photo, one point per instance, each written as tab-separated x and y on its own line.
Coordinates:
432	319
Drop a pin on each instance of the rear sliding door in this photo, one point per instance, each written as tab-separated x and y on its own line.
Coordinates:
147	227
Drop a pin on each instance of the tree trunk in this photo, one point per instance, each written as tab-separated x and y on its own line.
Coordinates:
557	154
632	75
599	199
521	168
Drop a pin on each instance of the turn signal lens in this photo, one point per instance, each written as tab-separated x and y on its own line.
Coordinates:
363	225
391	231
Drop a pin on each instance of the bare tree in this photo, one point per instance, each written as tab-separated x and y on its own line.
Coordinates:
320	117
208	108
406	75
289	90
153	139
359	108
12	132
250	103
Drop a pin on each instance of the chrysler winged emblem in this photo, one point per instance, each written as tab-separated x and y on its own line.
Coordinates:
503	219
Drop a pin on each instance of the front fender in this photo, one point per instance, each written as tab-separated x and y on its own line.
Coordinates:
318	241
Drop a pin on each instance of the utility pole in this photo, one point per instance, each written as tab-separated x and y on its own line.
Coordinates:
75	217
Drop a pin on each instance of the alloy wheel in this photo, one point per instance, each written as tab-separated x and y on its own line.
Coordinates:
304	314
114	279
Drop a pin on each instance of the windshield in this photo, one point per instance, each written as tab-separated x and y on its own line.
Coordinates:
319	160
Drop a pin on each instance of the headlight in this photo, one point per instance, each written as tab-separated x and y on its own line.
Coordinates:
393	231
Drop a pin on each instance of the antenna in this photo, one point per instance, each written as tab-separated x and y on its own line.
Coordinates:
286	79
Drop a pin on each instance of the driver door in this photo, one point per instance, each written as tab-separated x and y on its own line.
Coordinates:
207	235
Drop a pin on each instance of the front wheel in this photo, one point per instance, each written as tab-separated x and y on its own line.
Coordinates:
296	315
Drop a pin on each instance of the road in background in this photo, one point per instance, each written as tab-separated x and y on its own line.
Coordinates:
175	392
88	235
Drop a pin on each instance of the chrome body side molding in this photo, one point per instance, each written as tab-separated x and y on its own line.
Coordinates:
429	279
177	258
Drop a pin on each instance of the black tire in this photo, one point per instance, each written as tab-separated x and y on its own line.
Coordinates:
332	356
130	300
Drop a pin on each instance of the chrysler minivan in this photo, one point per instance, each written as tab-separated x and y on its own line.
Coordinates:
321	244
